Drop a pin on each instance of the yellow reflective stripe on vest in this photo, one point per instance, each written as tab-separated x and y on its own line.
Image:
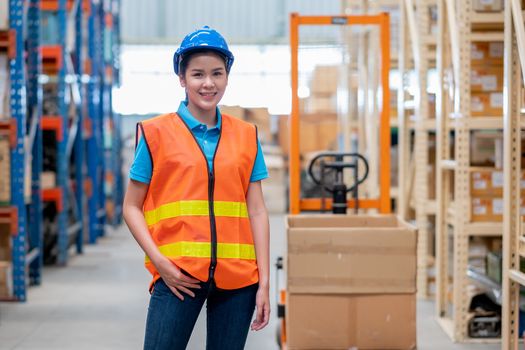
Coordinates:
203	250
195	208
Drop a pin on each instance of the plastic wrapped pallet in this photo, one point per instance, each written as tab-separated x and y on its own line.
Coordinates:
4	86
4	14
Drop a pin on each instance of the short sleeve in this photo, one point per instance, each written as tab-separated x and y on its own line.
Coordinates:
141	168
259	171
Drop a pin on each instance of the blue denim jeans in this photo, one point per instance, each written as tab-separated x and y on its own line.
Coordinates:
170	320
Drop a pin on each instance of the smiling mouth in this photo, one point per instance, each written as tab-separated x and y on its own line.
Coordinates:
208	94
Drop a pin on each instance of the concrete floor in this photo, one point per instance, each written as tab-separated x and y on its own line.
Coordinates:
99	301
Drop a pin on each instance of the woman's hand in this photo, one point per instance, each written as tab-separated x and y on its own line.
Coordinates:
262	302
176	281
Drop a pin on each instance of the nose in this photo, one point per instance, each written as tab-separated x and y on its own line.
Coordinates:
208	81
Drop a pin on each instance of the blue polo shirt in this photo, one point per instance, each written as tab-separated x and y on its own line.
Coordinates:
206	137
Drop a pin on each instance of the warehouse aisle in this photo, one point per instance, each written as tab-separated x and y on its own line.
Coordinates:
99	301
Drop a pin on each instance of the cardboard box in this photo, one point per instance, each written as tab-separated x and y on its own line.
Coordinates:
234	111
321	104
486	183
486	78
487	5
261	118
351	321
487	209
6	279
48	180
5	171
486	104
5	243
324	80
317	132
350	254
486	53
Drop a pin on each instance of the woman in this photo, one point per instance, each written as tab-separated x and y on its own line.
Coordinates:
195	206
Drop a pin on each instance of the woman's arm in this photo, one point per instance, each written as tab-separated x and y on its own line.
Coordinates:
261	238
134	217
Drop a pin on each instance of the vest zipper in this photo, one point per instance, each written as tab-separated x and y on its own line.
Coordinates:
213	227
211	187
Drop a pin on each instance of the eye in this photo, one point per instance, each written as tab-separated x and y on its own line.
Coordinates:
218	73
196	74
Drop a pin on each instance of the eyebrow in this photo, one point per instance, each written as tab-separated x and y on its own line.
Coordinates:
202	70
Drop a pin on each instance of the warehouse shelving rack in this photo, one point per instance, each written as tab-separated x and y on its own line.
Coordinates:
513	239
455	23
67	125
24	215
414	159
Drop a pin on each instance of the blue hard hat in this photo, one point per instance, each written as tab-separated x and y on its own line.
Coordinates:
204	38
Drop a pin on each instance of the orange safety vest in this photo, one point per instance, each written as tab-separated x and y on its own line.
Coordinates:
198	217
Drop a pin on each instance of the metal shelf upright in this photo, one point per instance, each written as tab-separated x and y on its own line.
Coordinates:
95	146
513	238
415	19
458	22
26	243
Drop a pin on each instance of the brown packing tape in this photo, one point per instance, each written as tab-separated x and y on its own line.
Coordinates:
330	248
341	221
350	285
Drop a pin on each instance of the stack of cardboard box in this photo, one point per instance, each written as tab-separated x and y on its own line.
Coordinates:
5	171
351	282
487	79
6	279
323	90
258	116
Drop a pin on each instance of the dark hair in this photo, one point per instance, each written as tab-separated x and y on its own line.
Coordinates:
185	60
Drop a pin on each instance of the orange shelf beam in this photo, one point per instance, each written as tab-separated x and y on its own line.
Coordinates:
52	5
53	195
51	58
53	123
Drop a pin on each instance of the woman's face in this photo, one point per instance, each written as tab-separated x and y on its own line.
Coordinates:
205	81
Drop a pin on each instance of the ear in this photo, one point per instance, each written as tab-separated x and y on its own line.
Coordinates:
182	81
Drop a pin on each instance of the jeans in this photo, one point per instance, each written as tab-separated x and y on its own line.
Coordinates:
170	320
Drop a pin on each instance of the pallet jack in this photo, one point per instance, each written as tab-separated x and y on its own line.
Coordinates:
327	168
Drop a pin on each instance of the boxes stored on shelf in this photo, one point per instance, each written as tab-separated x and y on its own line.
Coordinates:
351	321
486	104
5	243
4	15
486	183
317	132
234	111
486	52
48	180
487	5
324	80
486	78
6	279
486	209
5	171
261	118
350	254
321	104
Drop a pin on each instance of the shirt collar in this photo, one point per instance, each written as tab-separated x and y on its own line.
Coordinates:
192	122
